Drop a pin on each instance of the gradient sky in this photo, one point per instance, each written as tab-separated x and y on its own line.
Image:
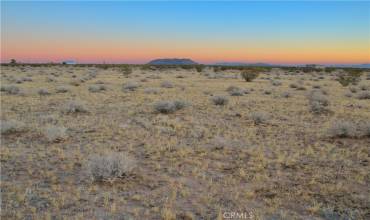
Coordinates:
207	32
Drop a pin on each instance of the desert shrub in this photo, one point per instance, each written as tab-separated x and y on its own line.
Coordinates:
43	92
179	104
51	79
27	79
48	119
55	134
151	90
267	92
10	89
126	70
99	82
286	94
110	166
75	106
235	91
18	81
130	86
342	129
259	117
166	84
219	100
97	88
351	76
11	126
364	95
301	87
364	129
276	83
364	87
249	76
353	89
62	89
167	107
293	85
75	82
318	102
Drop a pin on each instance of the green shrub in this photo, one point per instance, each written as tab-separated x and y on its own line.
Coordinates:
249	75
351	76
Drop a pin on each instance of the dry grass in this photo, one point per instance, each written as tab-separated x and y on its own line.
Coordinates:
263	154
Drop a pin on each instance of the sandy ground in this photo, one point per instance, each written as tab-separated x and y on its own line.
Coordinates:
203	161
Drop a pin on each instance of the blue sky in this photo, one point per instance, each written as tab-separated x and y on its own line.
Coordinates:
274	32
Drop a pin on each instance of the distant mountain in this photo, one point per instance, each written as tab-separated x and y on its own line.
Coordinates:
243	64
172	61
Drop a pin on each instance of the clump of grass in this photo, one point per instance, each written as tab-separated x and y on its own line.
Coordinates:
167	107
318	102
353	89
286	94
259	117
364	87
75	107
55	134
43	92
26	79
75	83
151	90
97	88
276	83
351	76
220	100
10	89
365	129
364	95
62	89
235	91
109	166
130	86
249	76
167	84
343	129
11	126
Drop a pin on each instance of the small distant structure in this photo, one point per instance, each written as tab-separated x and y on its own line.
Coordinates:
69	62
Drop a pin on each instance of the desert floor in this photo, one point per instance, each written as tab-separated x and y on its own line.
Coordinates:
264	153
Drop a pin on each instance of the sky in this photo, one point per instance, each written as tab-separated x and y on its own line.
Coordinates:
207	32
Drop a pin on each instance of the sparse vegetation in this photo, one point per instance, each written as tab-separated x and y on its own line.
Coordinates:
62	154
109	166
10	89
166	84
11	126
55	134
343	129
167	107
249	76
97	88
259	117
62	89
75	106
235	91
318	102
220	100
130	86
